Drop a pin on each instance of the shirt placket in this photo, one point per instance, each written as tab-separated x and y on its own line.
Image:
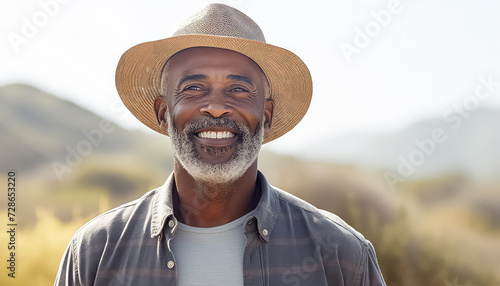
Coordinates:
165	239
253	271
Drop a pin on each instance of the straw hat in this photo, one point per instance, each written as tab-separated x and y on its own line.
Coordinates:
219	26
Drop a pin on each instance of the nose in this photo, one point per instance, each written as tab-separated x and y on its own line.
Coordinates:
216	106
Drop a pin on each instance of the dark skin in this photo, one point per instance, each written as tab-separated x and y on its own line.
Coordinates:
210	82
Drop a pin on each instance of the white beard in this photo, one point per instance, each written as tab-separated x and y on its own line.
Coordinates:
245	153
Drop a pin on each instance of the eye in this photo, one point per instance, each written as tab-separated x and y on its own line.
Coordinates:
192	90
238	89
193	87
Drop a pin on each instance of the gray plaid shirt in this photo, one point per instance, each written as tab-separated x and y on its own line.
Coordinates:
289	242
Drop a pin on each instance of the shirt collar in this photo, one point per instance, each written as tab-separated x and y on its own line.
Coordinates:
162	206
265	213
267	210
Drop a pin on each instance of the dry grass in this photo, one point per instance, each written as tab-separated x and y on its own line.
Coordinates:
39	250
431	232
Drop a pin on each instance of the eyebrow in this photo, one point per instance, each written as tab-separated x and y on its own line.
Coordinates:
202	76
192	77
240	78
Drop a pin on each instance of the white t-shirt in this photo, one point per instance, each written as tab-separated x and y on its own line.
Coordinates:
210	255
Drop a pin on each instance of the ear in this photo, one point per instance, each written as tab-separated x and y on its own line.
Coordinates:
268	113
160	107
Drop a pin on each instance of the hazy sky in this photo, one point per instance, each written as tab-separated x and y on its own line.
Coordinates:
377	66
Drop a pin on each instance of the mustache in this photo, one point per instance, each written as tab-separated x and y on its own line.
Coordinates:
208	122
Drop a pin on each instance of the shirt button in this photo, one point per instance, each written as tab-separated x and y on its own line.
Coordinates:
171	223
265	232
170	264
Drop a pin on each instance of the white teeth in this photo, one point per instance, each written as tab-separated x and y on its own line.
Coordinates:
215	135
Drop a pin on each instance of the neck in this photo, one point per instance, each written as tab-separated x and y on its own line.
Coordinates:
205	204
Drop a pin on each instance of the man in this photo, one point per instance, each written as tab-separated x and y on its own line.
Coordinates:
220	92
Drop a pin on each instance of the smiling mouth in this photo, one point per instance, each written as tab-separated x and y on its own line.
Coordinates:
215	134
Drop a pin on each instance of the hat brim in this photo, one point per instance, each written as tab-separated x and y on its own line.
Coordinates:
138	77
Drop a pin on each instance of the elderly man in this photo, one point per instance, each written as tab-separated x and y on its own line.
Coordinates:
219	92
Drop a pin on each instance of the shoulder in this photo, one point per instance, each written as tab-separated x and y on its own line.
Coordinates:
97	240
316	235
320	224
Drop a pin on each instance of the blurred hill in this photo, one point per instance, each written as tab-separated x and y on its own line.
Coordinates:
472	148
39	128
430	231
66	153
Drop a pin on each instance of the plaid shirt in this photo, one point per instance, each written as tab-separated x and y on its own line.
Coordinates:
289	242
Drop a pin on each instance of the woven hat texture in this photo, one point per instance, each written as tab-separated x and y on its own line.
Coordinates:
220	26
